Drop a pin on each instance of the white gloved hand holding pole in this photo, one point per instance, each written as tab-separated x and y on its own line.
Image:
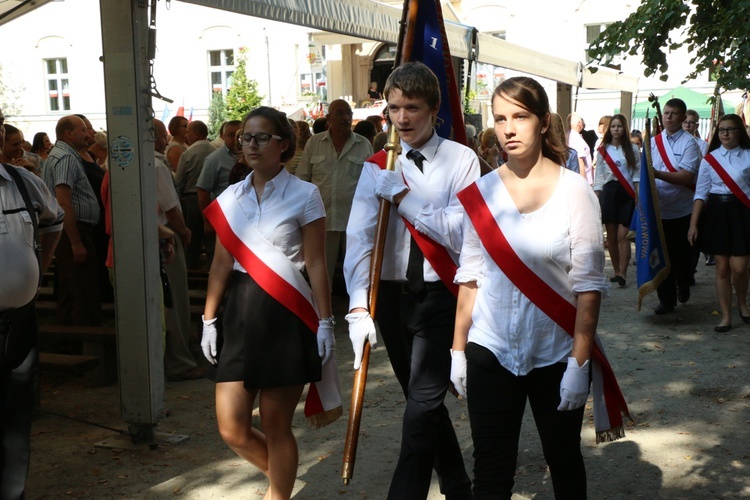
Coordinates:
326	341
574	386
208	340
458	371
361	330
389	184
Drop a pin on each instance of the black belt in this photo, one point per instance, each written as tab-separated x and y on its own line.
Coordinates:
429	286
721	197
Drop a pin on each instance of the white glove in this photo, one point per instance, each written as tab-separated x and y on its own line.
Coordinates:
458	371
389	184
574	386
326	341
361	330
208	341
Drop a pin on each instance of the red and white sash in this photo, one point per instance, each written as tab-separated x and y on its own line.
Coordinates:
547	286
666	155
665	152
435	253
731	177
278	277
623	177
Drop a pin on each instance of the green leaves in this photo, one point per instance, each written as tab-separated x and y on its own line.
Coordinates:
717	31
243	96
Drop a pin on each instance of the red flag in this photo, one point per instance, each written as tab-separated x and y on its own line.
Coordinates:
431	48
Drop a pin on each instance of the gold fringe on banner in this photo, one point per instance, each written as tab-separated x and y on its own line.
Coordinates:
325	418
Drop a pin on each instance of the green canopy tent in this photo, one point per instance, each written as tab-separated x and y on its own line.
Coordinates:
694	100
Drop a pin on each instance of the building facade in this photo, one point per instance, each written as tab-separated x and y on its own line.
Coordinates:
54	67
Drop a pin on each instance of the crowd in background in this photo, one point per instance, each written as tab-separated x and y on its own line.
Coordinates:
703	189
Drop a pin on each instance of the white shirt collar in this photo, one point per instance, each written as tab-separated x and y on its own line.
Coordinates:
428	149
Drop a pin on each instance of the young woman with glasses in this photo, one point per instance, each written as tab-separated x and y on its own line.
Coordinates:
270	227
720	222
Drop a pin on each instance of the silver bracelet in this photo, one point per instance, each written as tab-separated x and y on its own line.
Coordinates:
329	320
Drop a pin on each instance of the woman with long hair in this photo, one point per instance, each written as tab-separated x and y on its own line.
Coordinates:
40	148
532	248
618	171
720	222
269	227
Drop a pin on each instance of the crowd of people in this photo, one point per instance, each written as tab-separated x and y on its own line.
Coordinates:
492	271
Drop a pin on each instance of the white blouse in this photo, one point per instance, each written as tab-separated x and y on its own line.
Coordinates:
566	229
287	204
604	175
709	181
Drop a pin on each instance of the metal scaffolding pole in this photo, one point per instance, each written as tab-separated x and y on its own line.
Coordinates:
131	164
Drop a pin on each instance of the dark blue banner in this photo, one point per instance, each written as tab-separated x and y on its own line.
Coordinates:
431	48
652	261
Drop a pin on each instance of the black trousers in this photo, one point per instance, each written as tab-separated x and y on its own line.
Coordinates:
496	399
17	390
79	301
680	257
418	336
194	221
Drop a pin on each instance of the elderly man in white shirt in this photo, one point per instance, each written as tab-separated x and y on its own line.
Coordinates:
333	162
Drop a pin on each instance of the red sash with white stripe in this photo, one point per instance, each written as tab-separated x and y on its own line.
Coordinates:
667	157
276	275
609	403
435	253
735	182
625	181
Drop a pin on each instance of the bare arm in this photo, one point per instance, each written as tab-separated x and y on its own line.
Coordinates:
694	218
173	157
587	317
313	248
63	193
218	278
166	235
177	222
467	294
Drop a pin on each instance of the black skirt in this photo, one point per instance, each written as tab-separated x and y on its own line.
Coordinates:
264	344
616	204
724	227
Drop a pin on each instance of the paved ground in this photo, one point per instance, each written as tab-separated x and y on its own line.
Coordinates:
688	389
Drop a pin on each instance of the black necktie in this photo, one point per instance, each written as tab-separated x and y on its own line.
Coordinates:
415	267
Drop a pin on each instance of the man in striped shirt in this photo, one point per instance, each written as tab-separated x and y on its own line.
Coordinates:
76	261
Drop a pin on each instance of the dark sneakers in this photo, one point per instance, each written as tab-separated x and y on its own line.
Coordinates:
662	308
